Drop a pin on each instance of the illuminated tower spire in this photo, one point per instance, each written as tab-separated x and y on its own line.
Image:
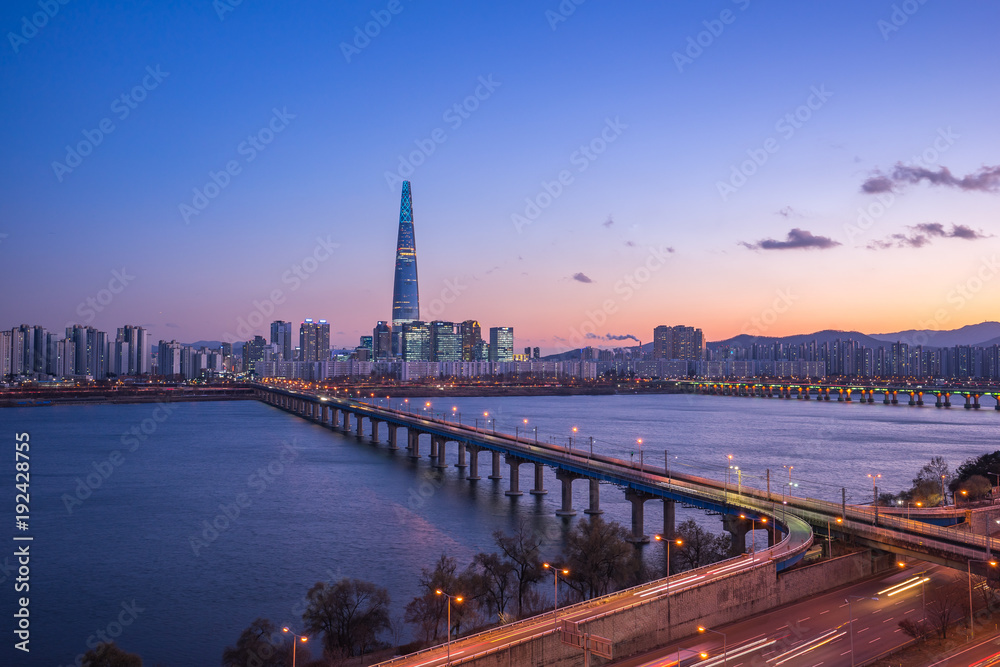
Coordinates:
405	298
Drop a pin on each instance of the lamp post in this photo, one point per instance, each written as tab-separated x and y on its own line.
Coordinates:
729	458
753	527
725	652
875	479
454	413
666	543
850	615
638	443
789	479
571	439
556	571
457	599
298	637
992	563
829	538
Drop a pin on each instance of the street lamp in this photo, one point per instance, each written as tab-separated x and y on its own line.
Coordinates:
789	479
571	439
829	538
725	652
753	527
992	563
875	478
850	614
299	637
638	442
666	543
457	599
556	571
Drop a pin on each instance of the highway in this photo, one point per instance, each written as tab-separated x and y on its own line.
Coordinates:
497	639
814	632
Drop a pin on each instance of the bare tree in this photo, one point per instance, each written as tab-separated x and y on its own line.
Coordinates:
494	582
521	550
109	655
700	546
946	605
350	614
261	645
599	556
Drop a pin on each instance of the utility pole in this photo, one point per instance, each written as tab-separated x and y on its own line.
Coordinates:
843	502
768	483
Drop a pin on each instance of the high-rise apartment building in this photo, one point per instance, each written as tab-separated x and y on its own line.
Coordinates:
415	341
446	341
381	340
281	335
678	342
314	341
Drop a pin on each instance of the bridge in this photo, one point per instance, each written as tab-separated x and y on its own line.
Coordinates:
865	393
742	508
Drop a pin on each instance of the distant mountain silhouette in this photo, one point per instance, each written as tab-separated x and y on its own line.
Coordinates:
984	333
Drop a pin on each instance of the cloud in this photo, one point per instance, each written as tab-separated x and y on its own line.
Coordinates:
609	222
630	244
580	277
172	325
924	232
797	239
611	337
987	179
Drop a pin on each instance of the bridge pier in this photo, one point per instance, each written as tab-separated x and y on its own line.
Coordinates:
473	462
669	518
442	449
514	464
871	395
737	529
334	417
637	498
885	397
567	493
920	398
496	466
913	398
413	440
947	400
347	421
461	457
358	427
895	397
595	498
805	394
539	489
434	448
968	401
375	424
326	413
392	435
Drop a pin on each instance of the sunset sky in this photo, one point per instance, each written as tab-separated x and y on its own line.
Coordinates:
807	165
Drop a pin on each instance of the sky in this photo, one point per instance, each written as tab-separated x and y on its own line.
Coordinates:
581	170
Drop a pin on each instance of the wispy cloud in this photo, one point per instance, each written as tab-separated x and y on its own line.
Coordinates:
609	222
581	277
987	179
922	234
797	239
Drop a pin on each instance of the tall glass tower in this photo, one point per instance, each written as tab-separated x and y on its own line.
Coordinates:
405	299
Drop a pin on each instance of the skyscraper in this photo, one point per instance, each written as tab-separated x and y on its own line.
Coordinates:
405	297
501	343
472	337
314	341
281	335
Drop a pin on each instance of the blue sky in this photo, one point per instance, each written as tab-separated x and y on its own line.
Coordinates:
887	91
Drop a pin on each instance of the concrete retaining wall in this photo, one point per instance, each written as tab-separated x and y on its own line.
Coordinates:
738	596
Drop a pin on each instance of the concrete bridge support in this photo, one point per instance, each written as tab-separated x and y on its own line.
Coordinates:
413	440
392	435
895	397
913	398
375	424
326	414
461	457
473	462
434	448
871	395
637	498
920	398
595	499
514	464
347	421
495	474
567	493
885	397
738	529
669	518
442	450
358	430
539	489
805	394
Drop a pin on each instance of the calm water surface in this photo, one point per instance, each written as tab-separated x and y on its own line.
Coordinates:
314	505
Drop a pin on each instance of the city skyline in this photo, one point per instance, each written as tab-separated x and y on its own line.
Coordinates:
665	177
